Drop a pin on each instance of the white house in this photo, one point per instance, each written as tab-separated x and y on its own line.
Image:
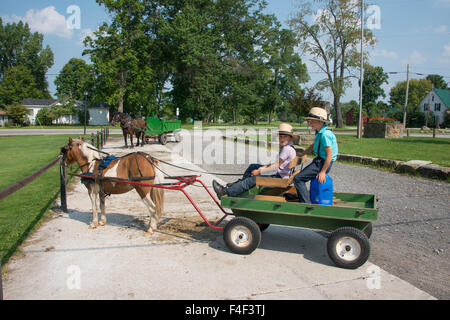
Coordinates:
35	105
3	118
98	114
439	99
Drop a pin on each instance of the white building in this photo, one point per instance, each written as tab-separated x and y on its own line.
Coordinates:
3	118
98	114
439	99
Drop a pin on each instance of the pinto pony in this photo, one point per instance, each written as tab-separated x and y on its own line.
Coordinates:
137	167
130	127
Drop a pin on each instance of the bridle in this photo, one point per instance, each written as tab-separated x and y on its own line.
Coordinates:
64	153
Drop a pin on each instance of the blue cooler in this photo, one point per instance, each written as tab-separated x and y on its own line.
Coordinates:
321	193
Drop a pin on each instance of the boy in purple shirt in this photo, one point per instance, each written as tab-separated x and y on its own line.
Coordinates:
248	181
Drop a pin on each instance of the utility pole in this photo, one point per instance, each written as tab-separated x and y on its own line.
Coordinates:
362	73
85	110
406	98
429	106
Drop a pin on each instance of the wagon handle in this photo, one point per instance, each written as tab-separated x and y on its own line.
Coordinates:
359	212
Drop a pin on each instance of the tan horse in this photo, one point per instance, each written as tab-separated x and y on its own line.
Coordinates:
130	167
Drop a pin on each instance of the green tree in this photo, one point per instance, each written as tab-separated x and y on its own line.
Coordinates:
17	113
18	84
374	78
331	39
302	103
75	78
121	54
19	46
287	71
437	80
44	117
418	89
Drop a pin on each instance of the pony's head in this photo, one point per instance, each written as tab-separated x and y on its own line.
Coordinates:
77	150
118	118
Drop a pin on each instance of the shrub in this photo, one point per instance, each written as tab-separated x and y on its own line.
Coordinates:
44	117
382	120
18	113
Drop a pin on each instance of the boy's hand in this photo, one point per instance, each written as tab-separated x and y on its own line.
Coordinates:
321	177
256	172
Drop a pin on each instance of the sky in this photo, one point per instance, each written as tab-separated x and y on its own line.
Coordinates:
414	32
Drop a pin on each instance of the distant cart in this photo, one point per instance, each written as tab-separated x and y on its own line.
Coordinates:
159	129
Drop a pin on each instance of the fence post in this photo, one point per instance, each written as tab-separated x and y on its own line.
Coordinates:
98	141
434	132
62	179
92	139
1	282
101	140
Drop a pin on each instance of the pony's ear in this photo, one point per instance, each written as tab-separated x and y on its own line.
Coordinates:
70	140
81	138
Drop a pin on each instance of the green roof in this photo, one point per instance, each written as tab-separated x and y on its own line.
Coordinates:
444	94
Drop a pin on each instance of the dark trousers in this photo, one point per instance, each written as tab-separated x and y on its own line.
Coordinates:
308	174
247	182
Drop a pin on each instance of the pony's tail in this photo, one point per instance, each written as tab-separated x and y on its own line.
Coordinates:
157	194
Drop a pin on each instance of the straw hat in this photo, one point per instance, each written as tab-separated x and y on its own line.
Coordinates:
317	113
286	129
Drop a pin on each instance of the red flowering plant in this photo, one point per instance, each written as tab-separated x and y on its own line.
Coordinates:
382	120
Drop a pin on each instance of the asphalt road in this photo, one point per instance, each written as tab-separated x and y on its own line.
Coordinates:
411	238
22	132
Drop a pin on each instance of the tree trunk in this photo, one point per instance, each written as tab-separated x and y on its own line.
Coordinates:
270	116
122	90
337	108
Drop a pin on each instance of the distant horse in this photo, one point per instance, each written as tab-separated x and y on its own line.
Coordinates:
130	167
130	127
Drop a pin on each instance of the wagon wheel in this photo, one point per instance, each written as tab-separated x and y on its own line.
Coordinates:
242	235
263	226
368	230
178	137
163	139
348	247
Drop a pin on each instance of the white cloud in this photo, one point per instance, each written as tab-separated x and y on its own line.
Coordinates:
385	53
415	58
441	30
445	56
46	21
446	52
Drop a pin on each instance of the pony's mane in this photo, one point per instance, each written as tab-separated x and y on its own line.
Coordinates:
88	152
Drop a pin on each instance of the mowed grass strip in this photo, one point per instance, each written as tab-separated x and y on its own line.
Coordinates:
21	212
436	150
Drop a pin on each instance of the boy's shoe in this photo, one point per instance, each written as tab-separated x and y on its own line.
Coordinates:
219	189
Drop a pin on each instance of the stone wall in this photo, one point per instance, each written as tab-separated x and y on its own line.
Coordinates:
382	130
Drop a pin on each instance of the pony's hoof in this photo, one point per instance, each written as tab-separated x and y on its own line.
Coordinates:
149	233
101	224
92	227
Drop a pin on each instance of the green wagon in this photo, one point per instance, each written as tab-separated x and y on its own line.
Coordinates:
162	129
349	221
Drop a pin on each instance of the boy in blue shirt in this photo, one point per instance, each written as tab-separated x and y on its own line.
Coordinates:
324	147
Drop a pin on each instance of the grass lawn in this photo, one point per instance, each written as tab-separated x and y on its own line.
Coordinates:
436	150
21	212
